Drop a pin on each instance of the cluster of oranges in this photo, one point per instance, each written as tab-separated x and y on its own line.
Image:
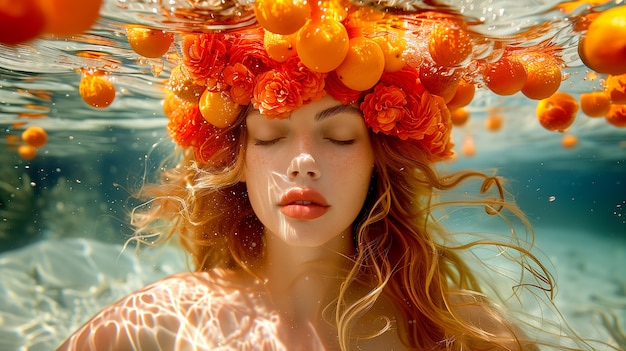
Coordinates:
361	45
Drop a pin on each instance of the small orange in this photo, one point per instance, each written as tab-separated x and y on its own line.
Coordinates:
449	44
183	85
35	136
440	81
615	86
20	21
218	109
494	123
617	116
505	77
27	152
282	16
468	147
603	48
363	65
595	104
69	17
394	48
459	116
463	95
279	47
96	90
569	141
149	42
543	76
322	44
557	112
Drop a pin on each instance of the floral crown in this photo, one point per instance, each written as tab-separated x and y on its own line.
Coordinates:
298	54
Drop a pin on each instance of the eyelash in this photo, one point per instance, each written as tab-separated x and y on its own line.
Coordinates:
274	141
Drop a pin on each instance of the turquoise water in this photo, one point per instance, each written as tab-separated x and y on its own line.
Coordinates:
79	186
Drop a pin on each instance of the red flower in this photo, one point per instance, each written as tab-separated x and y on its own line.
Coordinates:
204	55
248	49
311	83
241	82
336	88
275	96
384	108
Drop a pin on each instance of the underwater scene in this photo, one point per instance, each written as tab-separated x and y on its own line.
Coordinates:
86	117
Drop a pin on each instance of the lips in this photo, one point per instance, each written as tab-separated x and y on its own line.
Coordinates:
303	204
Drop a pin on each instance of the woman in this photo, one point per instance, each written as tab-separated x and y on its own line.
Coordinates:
307	208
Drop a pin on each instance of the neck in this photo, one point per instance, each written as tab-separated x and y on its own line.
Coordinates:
302	281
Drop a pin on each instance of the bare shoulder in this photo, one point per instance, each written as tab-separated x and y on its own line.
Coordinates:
196	310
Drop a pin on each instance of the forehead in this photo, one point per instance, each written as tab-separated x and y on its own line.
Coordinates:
327	106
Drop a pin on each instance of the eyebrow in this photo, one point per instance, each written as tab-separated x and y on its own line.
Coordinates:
331	111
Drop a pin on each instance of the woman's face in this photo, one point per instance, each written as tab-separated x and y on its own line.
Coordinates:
308	175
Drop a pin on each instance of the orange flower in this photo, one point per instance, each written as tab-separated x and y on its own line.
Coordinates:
384	108
336	88
311	83
204	55
248	49
241	82
275	96
438	143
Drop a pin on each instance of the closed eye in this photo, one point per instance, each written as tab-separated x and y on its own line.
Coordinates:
266	142
341	142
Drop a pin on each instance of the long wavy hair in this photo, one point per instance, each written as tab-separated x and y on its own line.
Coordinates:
402	251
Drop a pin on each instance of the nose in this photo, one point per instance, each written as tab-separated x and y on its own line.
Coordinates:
304	165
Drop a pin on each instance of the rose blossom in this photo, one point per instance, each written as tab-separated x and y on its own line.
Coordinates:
204	55
274	94
241	82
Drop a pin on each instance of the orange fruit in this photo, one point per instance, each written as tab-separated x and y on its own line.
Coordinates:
543	76
615	86
468	147
603	48
27	152
322	44
20	21
69	17
595	104
463	95
35	136
439	81
449	44
218	109
557	112
617	116
183	85
282	16
96	90
170	103
494	123
363	65
505	76
569	141
393	47
279	47
459	116
149	42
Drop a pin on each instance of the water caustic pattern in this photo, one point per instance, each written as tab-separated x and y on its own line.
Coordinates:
457	57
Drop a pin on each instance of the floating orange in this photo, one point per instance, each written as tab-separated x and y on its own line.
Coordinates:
449	44
543	76
394	49
617	116
183	85
557	112
35	136
27	152
322	44
463	95
69	17
494	123
459	116
569	141
615	86
505	76
595	104
439	81
603	48
468	147
149	42
20	21
218	109
96	90
363	66
282	16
